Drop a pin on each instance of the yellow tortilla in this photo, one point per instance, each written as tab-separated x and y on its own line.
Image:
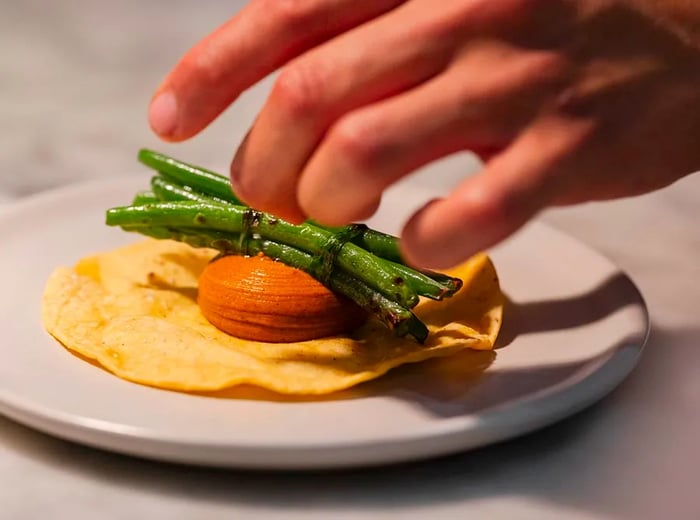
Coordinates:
134	311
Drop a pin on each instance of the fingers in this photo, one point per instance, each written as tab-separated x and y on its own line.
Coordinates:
255	42
469	106
316	89
492	205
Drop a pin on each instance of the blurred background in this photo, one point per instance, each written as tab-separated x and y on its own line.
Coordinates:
76	77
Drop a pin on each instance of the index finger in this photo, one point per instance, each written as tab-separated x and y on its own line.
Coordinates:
263	36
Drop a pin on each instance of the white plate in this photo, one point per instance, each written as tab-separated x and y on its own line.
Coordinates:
575	329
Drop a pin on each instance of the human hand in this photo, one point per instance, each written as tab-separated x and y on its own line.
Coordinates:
566	100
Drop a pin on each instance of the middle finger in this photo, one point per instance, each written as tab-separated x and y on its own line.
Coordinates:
367	64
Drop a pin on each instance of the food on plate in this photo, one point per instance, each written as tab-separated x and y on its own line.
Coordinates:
258	298
134	310
222	295
198	207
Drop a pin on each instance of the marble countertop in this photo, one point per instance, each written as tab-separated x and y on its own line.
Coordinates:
76	78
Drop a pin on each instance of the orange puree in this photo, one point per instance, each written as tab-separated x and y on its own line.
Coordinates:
260	299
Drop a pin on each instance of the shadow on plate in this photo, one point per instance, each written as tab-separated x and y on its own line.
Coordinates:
521	318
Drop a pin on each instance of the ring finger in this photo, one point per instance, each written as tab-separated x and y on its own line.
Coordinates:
470	106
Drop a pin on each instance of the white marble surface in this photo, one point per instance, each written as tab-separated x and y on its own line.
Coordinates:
75	77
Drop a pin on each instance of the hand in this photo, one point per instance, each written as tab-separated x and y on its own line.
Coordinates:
566	100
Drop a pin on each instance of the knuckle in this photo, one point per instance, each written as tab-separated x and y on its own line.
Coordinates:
547	67
507	206
488	12
205	66
290	14
360	143
298	90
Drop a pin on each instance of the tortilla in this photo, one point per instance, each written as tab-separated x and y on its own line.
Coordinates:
134	311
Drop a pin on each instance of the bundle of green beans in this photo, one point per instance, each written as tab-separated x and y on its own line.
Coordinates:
198	207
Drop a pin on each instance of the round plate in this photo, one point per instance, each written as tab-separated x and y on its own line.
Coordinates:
574	327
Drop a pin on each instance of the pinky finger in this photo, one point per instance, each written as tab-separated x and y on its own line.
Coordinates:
485	209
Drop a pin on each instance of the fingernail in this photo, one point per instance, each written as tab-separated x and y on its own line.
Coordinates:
162	114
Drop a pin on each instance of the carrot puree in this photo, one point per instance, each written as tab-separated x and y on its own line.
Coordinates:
260	299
